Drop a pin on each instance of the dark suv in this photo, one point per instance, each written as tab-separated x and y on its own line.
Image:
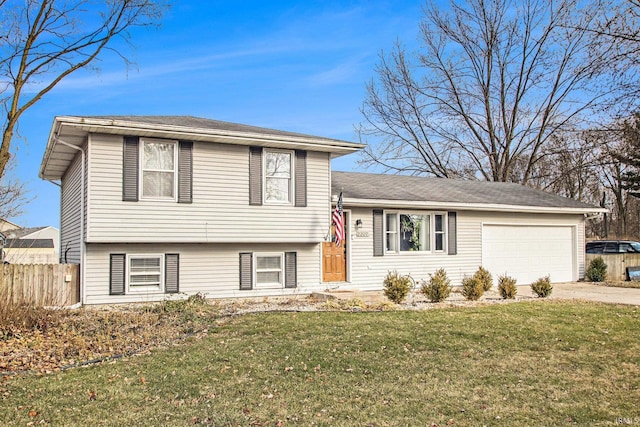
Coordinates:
612	247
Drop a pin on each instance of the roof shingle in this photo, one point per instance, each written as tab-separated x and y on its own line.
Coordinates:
356	185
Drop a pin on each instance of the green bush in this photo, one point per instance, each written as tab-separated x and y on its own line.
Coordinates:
472	288
507	287
597	270
181	305
438	288
542	287
484	277
396	286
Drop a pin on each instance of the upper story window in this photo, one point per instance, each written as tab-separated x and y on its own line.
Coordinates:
414	232
158	169
277	176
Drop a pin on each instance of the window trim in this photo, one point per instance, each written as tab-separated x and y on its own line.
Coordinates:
432	231
444	232
256	270
176	148
291	198
134	289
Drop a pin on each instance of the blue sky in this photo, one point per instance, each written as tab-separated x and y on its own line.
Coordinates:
291	65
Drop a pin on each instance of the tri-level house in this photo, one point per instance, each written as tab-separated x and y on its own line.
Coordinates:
158	205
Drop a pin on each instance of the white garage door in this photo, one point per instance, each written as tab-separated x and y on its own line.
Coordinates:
529	252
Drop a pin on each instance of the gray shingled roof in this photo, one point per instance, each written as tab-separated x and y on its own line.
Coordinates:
29	243
201	123
355	185
17	233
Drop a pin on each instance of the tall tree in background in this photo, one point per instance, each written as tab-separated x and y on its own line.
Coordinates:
629	155
494	80
43	41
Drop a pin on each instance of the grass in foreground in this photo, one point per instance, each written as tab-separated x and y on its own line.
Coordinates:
536	363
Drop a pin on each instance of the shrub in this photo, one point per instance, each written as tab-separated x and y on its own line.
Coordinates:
597	270
181	305
19	318
542	287
396	286
484	277
438	288
472	288
507	287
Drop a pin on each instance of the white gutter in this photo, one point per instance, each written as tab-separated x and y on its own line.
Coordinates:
82	196
377	203
120	126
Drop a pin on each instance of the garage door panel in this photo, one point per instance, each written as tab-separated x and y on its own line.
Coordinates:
529	252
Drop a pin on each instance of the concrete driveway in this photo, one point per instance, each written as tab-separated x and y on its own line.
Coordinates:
590	292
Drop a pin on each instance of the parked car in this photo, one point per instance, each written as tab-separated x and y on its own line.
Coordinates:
612	247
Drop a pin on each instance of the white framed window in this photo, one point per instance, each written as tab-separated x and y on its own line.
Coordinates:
391	240
158	169
439	232
145	273
269	270
414	232
278	182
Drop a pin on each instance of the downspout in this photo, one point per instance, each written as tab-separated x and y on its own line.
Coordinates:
83	290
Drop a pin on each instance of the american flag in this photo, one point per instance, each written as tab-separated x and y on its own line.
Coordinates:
338	221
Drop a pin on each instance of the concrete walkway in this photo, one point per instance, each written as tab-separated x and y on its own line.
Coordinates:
573	290
591	292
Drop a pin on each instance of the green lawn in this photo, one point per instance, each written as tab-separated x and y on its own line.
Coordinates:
528	363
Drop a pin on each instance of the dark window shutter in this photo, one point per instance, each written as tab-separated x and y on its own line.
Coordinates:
290	269
172	273
255	175
378	232
301	178
130	169
117	271
452	226
246	271
185	172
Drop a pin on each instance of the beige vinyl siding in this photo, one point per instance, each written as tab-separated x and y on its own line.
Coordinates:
220	211
70	212
368	272
211	269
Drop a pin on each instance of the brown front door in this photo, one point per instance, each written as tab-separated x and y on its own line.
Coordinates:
334	262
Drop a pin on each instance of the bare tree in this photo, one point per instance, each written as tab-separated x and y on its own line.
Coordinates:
43	41
494	80
569	166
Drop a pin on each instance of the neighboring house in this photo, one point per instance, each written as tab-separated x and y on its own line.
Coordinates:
7	225
35	245
152	206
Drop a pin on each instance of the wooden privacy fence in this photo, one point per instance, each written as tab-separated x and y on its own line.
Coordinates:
616	264
40	284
